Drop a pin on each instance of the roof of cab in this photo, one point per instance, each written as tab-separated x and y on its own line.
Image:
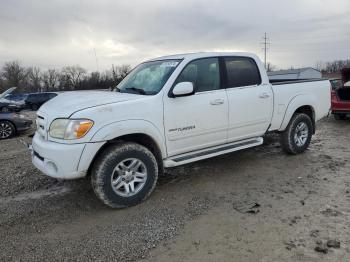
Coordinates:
203	55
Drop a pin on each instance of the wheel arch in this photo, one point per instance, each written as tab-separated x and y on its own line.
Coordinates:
140	138
138	131
300	104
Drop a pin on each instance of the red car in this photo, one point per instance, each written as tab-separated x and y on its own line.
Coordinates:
341	95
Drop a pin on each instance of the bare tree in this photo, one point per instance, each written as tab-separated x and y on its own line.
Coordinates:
332	66
35	78
270	67
69	78
119	72
319	66
14	74
124	71
74	75
51	79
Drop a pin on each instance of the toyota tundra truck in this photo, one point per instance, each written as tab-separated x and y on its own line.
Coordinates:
171	111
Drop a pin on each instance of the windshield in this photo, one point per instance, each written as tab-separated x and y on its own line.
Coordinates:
8	91
148	78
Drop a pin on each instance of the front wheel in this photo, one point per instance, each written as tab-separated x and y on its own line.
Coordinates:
297	136
7	129
124	175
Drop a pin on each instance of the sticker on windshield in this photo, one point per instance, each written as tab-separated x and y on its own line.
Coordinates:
169	64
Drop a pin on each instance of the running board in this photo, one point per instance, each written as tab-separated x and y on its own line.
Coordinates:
211	152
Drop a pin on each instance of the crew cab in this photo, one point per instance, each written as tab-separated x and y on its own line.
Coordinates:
341	96
171	111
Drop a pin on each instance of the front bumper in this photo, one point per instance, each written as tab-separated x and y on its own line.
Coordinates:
23	125
63	161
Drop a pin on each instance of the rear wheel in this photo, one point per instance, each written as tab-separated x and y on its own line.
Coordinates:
297	136
339	116
7	129
124	175
4	109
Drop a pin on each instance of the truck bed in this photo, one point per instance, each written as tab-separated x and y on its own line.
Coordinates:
317	90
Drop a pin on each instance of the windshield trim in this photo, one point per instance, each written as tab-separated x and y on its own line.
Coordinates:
117	89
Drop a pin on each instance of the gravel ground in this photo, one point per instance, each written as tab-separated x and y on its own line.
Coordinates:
254	205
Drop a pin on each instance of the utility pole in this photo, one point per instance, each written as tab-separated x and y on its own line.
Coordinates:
96	60
266	45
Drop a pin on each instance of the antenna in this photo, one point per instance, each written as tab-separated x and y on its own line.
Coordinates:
266	45
96	60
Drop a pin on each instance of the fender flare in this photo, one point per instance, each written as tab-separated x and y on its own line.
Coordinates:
128	127
295	103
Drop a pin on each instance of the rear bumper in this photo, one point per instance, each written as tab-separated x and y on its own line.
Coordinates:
345	112
63	161
340	106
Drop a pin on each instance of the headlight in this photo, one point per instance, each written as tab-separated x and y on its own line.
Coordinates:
70	128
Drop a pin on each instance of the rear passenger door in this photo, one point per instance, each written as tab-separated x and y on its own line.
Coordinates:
250	101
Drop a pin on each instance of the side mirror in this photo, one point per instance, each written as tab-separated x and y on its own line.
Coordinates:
183	89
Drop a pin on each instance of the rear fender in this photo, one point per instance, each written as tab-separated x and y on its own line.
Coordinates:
297	102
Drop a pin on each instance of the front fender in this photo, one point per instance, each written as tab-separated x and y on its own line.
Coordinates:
297	102
128	127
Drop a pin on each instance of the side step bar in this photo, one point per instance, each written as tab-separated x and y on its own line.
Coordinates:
211	152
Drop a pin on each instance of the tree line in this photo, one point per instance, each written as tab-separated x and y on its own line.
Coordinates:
333	66
34	79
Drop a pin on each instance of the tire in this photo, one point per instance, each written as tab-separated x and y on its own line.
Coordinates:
339	116
297	136
7	129
115	164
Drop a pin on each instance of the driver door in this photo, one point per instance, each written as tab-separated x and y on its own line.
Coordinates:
200	120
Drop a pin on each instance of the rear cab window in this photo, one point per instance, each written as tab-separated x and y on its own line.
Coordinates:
241	71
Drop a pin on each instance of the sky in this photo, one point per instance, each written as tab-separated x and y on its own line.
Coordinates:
56	33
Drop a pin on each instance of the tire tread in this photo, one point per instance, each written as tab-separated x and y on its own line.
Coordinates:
105	159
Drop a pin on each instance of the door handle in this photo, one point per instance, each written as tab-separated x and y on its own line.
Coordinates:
264	95
217	102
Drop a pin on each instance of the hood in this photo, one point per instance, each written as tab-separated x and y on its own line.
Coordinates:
10	102
67	103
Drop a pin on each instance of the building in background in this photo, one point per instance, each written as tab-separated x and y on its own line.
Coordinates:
295	74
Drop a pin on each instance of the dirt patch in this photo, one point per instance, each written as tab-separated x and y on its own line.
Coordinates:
253	205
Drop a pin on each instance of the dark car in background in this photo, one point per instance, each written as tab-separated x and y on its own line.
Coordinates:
32	101
36	100
12	124
12	101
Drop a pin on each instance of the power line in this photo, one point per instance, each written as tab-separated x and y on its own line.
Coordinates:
266	45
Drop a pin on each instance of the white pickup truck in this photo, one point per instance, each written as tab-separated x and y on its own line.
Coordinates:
171	111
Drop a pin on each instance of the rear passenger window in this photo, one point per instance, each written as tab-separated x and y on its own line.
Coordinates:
241	71
203	73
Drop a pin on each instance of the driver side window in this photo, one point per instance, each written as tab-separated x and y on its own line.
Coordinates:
203	73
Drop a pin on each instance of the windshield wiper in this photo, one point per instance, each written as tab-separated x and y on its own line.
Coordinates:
137	90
